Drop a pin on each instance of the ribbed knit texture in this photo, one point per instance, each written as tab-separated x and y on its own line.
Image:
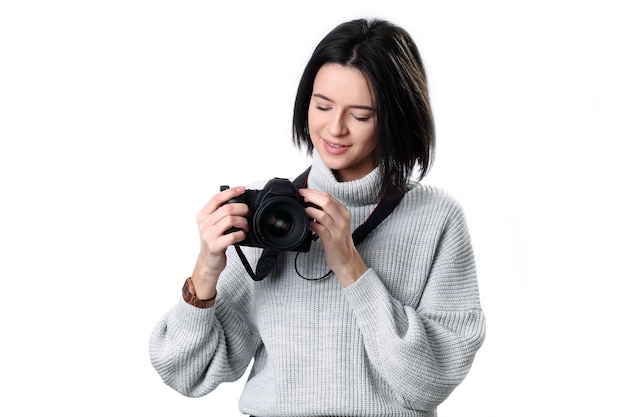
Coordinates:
395	343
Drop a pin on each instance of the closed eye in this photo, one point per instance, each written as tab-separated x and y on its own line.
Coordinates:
361	119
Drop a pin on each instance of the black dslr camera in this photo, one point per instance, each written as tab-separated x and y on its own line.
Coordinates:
277	218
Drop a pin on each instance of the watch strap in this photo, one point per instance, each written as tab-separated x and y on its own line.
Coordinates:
189	295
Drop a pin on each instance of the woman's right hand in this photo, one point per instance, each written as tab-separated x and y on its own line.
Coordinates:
214	220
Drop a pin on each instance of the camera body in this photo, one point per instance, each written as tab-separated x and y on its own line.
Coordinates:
277	217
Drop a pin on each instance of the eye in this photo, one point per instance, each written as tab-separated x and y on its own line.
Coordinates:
318	107
361	118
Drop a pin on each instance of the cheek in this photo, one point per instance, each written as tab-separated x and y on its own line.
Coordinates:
314	121
368	138
311	116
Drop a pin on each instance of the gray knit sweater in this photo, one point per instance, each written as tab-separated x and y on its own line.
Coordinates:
395	343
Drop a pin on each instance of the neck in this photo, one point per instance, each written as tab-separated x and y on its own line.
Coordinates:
362	191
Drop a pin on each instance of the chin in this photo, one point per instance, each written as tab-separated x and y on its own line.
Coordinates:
331	162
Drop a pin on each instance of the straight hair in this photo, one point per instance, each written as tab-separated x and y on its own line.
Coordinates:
387	55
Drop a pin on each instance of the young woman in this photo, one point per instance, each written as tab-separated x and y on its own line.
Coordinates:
388	326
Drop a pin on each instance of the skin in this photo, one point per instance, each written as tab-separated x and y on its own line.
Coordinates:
342	119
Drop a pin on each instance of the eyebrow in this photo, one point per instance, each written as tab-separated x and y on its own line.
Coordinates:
355	106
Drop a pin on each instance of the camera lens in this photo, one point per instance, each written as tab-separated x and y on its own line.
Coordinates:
281	223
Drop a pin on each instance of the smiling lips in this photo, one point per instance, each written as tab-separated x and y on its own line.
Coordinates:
334	148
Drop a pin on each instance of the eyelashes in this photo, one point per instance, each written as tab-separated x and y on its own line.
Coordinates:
360	119
357	118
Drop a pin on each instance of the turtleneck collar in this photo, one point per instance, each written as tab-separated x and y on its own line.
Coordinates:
360	192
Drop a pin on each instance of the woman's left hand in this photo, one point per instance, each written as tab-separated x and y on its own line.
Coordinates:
332	223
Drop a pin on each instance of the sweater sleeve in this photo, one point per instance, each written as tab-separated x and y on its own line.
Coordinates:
194	350
424	352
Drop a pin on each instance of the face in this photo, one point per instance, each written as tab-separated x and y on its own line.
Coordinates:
342	121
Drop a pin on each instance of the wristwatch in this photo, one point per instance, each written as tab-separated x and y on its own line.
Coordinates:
189	295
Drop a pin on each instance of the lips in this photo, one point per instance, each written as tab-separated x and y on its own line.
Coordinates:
334	148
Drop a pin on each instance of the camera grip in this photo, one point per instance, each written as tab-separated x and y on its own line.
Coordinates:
232	200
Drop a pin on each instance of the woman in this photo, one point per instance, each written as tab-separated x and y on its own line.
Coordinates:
394	327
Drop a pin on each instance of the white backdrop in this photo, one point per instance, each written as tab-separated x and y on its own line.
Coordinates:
120	119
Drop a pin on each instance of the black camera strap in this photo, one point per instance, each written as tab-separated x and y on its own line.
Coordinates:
268	258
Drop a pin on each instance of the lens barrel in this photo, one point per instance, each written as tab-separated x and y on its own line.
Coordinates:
280	223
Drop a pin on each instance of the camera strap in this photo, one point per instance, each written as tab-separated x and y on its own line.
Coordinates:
268	258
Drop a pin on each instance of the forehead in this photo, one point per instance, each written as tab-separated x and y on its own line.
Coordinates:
344	85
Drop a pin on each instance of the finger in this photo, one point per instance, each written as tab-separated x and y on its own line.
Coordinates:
213	226
228	223
233	209
228	230
219	244
329	210
319	229
318	215
318	200
231	238
221	198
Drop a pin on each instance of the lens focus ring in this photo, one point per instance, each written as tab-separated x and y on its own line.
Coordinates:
280	223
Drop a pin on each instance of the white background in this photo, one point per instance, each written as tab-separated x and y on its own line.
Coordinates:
120	119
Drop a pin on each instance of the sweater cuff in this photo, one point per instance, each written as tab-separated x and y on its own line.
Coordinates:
367	293
193	318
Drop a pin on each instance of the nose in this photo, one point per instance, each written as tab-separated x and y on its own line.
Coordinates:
337	126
